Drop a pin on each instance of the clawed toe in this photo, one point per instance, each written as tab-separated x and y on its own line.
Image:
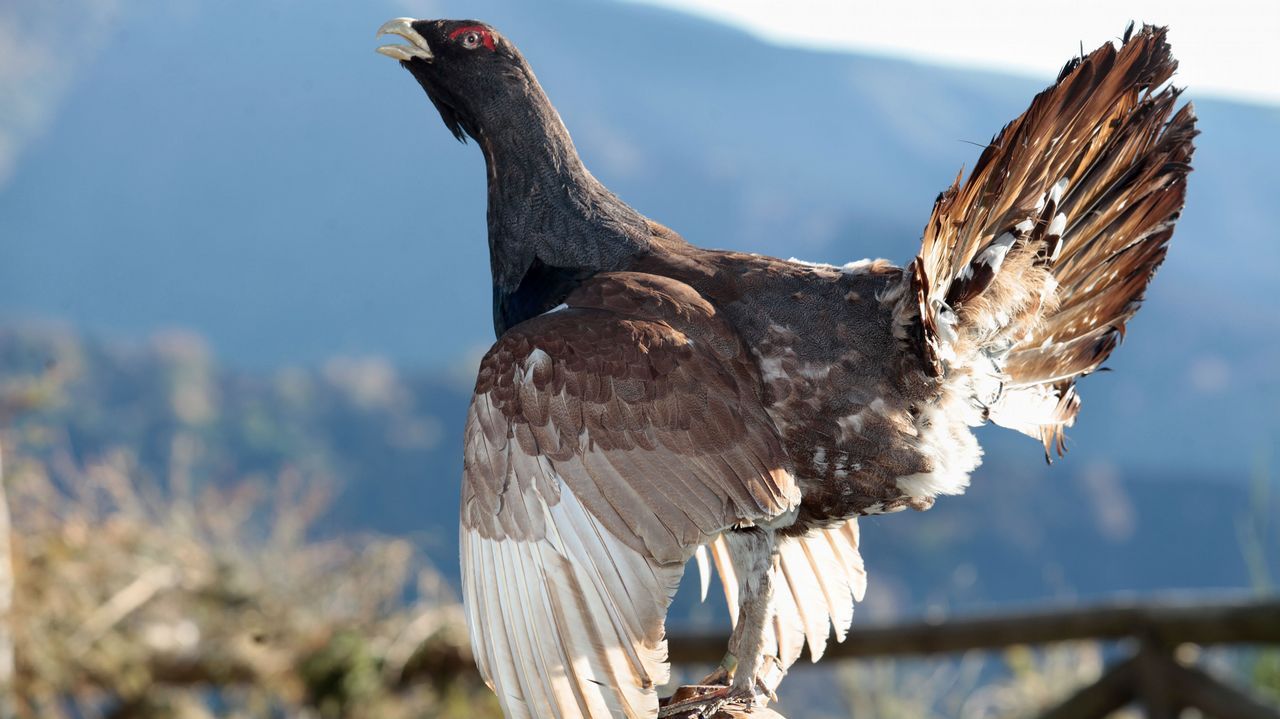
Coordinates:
697	701
702	701
721	688
758	696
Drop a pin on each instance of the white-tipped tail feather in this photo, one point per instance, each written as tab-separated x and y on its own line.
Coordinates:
1080	194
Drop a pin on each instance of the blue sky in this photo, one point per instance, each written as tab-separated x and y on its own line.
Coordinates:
1226	47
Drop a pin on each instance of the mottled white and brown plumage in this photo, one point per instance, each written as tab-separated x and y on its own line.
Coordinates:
648	401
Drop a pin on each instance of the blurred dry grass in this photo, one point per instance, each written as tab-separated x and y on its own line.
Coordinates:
147	601
1018	683
138	600
184	597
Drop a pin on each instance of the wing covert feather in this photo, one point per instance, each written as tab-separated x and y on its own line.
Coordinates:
605	443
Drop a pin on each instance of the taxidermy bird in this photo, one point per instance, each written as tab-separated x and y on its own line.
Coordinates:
648	402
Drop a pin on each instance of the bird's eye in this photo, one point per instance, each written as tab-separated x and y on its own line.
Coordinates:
472	37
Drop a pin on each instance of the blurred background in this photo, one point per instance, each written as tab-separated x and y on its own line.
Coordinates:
244	289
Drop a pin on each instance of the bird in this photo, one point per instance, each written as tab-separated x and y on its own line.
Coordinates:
649	403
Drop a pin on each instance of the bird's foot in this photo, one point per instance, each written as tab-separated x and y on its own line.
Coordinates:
723	683
697	701
759	688
702	701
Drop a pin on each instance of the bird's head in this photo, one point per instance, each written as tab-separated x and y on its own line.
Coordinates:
470	72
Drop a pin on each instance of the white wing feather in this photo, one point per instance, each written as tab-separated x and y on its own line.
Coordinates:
816	580
573	607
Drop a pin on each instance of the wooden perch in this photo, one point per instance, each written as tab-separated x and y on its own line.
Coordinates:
1164	686
1194	688
1168	623
1152	677
686	703
1112	692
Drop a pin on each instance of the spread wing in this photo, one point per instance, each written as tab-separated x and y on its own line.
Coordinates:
605	442
1031	267
817	577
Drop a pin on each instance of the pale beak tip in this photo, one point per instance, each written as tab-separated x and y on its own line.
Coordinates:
395	24
394	52
403	26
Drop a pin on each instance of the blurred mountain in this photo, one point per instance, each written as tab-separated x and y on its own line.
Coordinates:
255	172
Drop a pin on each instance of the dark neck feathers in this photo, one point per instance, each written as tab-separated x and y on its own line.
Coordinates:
546	211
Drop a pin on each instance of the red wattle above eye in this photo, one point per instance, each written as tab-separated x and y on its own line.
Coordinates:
483	32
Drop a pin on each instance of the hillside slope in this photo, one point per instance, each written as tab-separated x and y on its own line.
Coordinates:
253	171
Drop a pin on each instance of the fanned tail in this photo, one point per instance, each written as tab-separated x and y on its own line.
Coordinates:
1030	269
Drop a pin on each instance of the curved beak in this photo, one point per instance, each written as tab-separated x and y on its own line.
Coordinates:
403	26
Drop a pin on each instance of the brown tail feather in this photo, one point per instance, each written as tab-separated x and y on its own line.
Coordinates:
1034	264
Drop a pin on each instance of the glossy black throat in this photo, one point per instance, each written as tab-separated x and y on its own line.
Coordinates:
542	289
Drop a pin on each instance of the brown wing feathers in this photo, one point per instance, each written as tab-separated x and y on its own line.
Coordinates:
594	388
605	443
1039	258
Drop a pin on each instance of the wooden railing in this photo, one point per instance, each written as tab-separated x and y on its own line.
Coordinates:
1150	675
